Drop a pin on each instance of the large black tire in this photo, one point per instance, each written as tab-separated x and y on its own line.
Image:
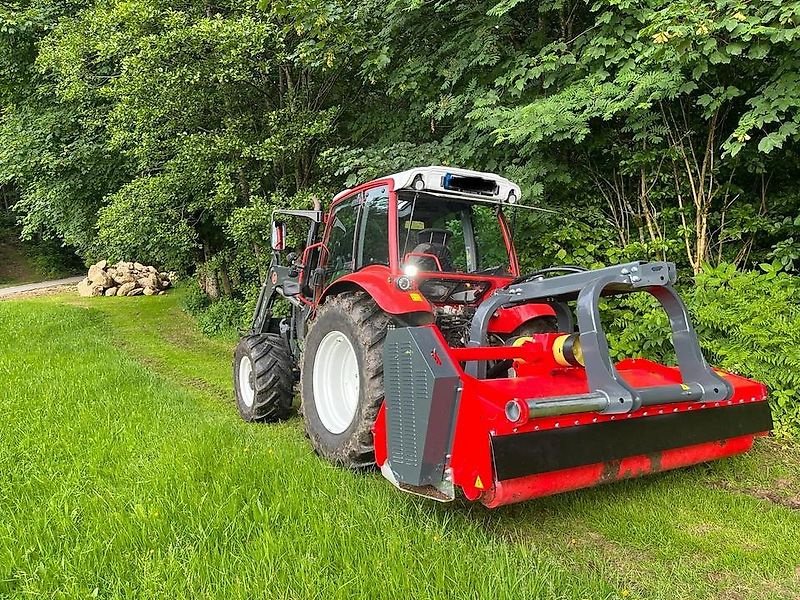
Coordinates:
537	325
271	381
364	324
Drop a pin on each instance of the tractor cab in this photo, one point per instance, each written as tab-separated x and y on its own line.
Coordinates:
438	236
452	236
453	250
422	226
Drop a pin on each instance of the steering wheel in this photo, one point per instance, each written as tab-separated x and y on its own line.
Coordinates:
547	271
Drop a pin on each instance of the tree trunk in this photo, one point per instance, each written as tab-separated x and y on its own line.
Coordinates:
207	276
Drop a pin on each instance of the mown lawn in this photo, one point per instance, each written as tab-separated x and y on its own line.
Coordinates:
125	472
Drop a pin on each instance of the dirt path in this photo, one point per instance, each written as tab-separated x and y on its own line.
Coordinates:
32	288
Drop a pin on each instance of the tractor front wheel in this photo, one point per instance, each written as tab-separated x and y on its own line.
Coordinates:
341	382
263	379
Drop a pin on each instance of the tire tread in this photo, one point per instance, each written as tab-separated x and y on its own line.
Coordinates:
272	367
371	324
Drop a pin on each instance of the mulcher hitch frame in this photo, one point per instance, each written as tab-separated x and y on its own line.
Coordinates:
609	393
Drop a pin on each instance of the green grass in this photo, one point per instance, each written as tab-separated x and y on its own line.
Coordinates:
126	472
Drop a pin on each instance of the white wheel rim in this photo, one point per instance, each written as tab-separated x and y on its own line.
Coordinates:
336	382
246	391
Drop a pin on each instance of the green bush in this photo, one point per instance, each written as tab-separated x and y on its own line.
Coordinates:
225	316
195	300
748	323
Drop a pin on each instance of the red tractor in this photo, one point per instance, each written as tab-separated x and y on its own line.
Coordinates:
420	348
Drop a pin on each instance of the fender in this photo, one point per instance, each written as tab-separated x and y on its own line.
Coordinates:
373	280
507	320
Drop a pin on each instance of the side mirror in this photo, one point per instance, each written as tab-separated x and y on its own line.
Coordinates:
278	236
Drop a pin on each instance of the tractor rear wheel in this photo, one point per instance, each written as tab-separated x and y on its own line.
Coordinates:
341	381
537	325
263	379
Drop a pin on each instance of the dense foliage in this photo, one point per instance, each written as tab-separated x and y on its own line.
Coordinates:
748	323
166	131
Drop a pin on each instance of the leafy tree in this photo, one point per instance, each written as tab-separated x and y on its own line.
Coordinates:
211	108
52	150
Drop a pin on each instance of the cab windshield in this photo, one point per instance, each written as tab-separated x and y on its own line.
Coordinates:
452	236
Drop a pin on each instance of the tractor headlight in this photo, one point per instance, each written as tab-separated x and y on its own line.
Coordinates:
404	283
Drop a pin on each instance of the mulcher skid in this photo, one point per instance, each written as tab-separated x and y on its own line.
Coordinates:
566	417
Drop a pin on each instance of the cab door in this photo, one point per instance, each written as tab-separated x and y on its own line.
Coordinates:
358	233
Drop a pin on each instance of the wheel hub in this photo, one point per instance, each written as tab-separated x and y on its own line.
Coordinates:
247	386
336	382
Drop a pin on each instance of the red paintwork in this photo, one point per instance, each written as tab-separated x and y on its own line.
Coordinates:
556	482
379	432
509	241
378	282
488	353
481	415
394	241
304	261
507	320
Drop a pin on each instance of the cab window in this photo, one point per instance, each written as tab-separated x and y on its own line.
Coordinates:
341	238
373	238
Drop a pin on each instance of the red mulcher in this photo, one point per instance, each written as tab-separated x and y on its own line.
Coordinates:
421	348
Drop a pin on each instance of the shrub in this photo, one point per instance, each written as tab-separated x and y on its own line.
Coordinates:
195	300
226	315
748	323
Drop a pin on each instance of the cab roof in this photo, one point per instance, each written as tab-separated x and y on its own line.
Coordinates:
451	182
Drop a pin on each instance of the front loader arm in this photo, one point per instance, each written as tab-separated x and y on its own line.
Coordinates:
285	280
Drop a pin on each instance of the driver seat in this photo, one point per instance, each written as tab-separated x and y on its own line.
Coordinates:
433	242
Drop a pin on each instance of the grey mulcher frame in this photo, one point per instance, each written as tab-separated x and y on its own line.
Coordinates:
609	393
